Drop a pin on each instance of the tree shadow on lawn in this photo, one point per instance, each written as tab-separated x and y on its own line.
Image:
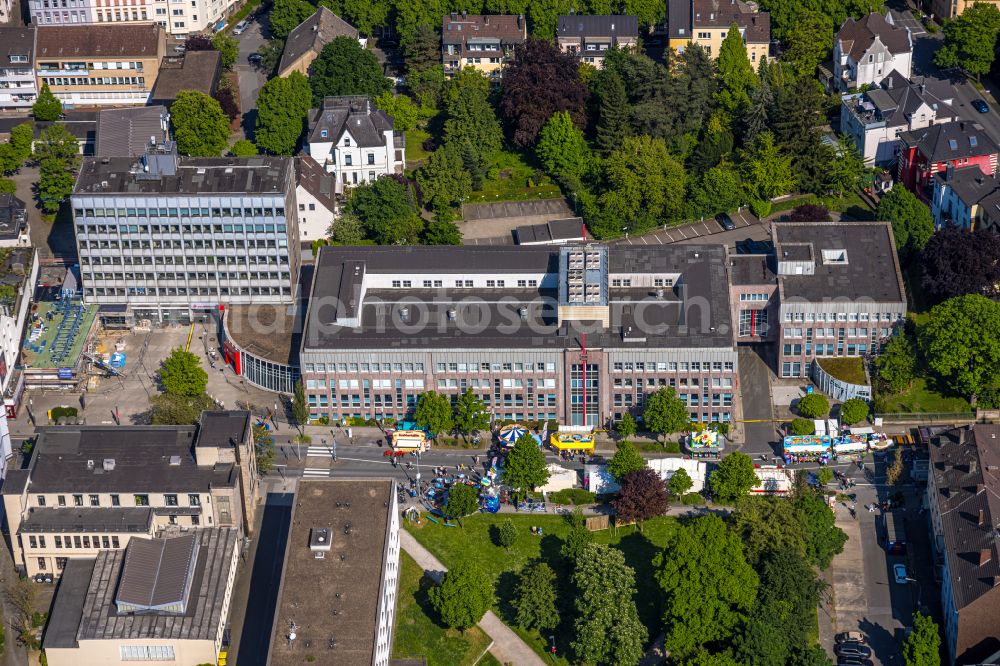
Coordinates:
423	598
639	554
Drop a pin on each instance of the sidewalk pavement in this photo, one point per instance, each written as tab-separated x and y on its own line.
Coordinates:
507	647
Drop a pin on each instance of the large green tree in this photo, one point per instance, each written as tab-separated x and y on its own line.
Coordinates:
813	406
853	411
181	374
735	70
719	190
344	67
664	412
923	646
228	48
734	477
400	108
643	496
766	172
912	224
960	342
462	501
644	185
55	184
201	129
433	411
680	483
607	629
765	524
443	178
524	467
282	106
387	212
577	538
896	366
708	584
970	39
243	148
464	595
471	415
471	123
47	106
286	14
422	51
173	409
535	597
561	148
809	42
300	405
57	142
823	538
626	459
612	123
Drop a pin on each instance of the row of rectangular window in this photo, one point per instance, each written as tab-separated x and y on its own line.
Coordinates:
752	298
673	366
194	499
691	399
184	291
252	260
181	212
842	316
363	367
74	541
826	349
95	80
717	382
384	384
790	332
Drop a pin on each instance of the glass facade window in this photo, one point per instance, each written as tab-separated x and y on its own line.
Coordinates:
268	375
577	391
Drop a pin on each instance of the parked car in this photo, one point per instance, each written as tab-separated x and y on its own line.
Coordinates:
980	106
850	637
255	58
852	650
849	661
899	573
725	221
240	27
180	48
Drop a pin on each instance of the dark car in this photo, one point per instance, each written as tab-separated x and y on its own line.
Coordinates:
854	650
725	221
980	106
850	637
255	58
849	661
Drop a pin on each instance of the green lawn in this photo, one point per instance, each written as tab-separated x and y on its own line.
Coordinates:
418	635
476	541
850	204
847	369
923	398
415	152
510	179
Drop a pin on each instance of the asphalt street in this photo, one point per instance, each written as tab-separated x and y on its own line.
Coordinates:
250	78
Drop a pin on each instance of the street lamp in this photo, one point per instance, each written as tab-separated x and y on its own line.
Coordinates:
625	231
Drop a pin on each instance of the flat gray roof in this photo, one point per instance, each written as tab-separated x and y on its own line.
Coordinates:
195	175
70	459
87	520
67	608
334	598
489	318
872	268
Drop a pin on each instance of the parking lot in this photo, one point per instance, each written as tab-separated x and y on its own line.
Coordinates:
747	226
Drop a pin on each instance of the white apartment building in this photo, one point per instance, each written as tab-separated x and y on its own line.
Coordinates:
17	74
176	17
866	51
351	138
18	275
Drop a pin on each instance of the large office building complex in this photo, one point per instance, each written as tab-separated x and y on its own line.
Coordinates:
580	334
173	238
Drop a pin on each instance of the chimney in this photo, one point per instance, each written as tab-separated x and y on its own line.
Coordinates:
985	555
982	517
973	466
923	88
949	171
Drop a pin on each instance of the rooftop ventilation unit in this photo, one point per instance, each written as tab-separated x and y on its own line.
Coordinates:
175	461
109	464
320	541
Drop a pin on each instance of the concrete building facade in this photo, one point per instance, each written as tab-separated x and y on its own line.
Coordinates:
93	488
176	238
18	90
576	334
99	65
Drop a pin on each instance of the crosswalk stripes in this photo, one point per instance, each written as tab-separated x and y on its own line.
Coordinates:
320	451
315	472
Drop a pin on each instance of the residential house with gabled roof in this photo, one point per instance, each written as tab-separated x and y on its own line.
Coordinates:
485	43
963	197
316	195
924	152
590	37
867	50
963	500
354	140
307	39
874	119
706	23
